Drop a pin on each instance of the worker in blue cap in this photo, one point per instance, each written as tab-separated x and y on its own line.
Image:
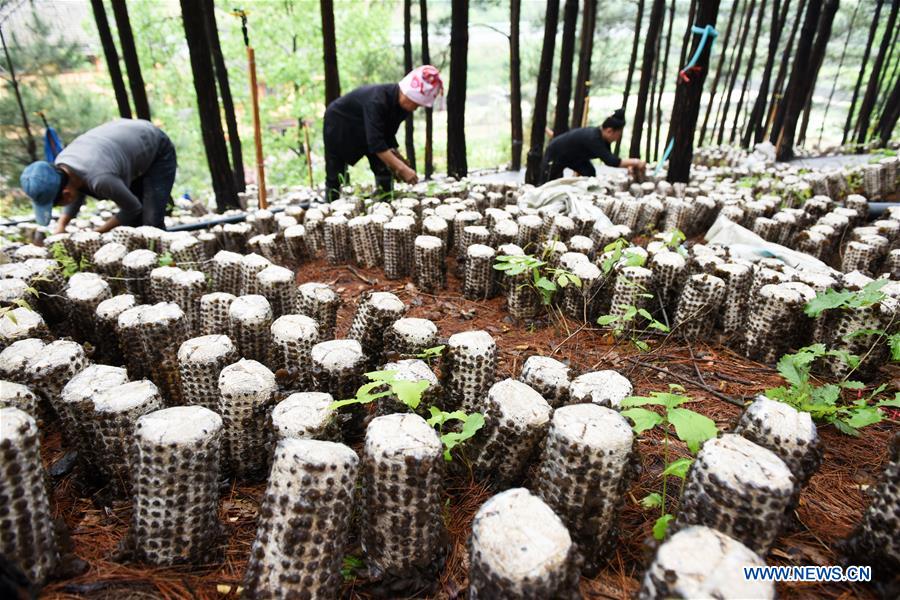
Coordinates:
129	161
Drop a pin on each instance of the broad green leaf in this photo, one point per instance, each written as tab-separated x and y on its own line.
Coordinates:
642	418
576	280
437	416
653	500
562	280
409	392
678	468
844	427
645	313
546	284
894	343
826	395
660	326
862	417
892	402
382	376
607	319
641	345
630	313
853	385
661	526
827	300
692	428
641	401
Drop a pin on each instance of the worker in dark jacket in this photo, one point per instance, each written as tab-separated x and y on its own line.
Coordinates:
128	161
365	122
574	149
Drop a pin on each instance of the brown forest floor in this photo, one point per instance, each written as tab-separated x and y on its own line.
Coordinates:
830	505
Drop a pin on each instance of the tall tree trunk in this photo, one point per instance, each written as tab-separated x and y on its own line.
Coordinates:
112	58
632	62
746	23
651	96
456	95
823	35
545	74
686	40
776	98
687	100
132	64
329	53
408	66
868	101
870	41
888	77
795	92
748	74
429	123
564	77
208	105
662	80
515	86
653	26
754	130
30	145
888	120
723	45
588	24
839	67
234	138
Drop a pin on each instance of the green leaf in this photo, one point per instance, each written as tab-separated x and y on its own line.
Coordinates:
381	376
472	423
641	345
863	417
844	427
545	284
678	468
660	326
826	395
642	401
853	385
409	392
827	300
575	279
653	500
642	418
630	313
692	428
562	280
892	402
607	319
661	526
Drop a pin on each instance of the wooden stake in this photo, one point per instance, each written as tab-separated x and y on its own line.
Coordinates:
257	133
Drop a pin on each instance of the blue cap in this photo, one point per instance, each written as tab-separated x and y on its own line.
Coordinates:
41	181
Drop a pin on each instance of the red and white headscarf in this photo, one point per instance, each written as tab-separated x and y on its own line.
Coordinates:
422	85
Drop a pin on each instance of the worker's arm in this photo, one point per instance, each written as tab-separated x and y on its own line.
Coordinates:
628	163
130	207
396	165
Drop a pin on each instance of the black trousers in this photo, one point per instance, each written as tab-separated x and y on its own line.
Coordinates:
336	173
552	168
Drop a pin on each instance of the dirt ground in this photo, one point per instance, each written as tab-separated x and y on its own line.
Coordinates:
830	506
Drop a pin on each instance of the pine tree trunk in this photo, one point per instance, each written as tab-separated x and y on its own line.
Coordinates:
839	67
868	102
515	86
208	105
234	138
687	101
429	122
776	98
746	22
650	42
754	130
408	66
632	62
870	42
823	35
564	77
749	72
456	95
588	24
30	144
329	53
795	92
686	40
662	80
886	77
651	97
723	45
112	58
545	74
132	64
888	120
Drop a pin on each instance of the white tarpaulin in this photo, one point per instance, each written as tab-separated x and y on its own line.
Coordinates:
572	196
744	244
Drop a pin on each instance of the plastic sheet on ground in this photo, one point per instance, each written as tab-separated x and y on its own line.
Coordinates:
571	196
745	245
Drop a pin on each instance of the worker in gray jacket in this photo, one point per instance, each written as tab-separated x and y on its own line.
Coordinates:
129	161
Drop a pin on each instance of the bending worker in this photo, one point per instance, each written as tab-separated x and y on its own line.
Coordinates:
128	161
365	122
574	149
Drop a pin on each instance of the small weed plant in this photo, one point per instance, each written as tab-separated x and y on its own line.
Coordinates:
67	262
689	426
383	384
544	279
824	402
